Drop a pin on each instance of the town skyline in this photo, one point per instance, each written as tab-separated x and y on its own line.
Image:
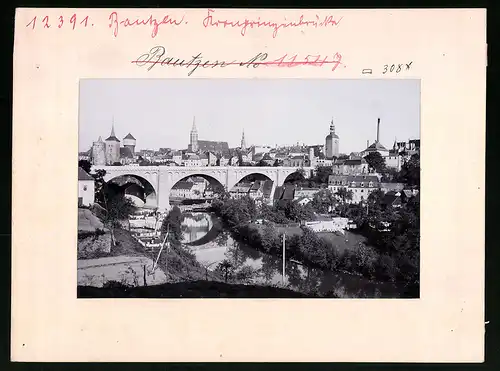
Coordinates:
269	111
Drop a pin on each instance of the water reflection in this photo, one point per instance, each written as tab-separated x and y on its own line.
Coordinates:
211	244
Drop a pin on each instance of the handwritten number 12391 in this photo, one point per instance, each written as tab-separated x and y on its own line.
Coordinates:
59	22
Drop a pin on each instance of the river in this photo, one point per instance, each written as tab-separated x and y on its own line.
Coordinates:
211	244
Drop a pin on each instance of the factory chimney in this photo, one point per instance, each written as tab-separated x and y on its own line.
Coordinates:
378	129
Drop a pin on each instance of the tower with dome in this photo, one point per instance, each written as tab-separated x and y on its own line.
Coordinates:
332	143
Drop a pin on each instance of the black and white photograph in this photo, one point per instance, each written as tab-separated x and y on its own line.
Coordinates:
249	188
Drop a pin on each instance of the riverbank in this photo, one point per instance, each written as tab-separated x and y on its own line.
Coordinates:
313	250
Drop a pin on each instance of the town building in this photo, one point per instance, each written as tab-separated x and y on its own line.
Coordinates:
191	160
305	192
240	190
360	185
86	188
323	161
182	189
296	160
350	166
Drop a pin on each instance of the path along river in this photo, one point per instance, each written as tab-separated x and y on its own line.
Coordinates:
211	244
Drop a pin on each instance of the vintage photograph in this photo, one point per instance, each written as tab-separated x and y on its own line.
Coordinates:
249	188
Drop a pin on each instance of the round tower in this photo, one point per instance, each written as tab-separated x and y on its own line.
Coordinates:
99	152
129	142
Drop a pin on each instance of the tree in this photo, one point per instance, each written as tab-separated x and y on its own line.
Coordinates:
410	171
117	163
172	223
118	208
376	162
277	163
100	187
296	177
85	165
323	201
217	162
262	163
344	194
240	159
298	213
225	266
322	174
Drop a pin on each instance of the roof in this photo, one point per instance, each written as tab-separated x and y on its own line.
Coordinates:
308	189
129	136
267	157
255	186
112	138
191	157
376	146
183	185
350	162
392	186
83	175
126	152
353	178
213	146
267	188
408	193
391	199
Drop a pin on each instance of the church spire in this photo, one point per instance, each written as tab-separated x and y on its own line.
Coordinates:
194	124
112	126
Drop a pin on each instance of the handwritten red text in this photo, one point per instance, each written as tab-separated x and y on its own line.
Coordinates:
115	22
211	21
60	22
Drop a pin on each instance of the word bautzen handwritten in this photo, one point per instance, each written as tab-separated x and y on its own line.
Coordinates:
158	56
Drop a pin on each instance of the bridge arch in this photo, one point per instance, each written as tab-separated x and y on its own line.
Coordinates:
139	189
204	191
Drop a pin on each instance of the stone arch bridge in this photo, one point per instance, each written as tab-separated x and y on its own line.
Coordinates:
161	179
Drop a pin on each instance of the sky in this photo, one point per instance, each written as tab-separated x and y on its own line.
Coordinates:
160	112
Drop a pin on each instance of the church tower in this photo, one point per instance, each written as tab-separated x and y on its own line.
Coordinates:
193	138
243	143
332	143
112	147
